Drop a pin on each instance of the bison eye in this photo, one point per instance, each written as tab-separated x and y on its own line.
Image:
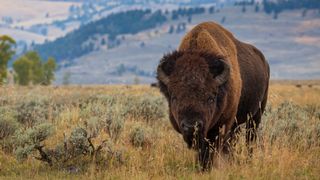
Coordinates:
173	99
211	100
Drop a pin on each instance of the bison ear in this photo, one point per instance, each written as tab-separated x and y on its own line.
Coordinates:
220	69
166	66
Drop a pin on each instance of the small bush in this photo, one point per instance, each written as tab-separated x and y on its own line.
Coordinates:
32	140
93	110
145	107
79	142
72	150
32	112
8	123
93	116
8	127
114	126
139	136
98	116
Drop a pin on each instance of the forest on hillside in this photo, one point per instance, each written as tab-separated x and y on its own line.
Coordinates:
81	41
281	5
72	45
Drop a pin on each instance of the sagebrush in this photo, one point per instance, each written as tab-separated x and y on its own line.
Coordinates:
124	131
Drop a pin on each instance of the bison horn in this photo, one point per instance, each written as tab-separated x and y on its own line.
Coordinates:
225	72
161	75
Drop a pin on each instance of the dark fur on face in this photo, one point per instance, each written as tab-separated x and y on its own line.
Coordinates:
192	89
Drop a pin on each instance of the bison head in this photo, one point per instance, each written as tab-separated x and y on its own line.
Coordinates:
194	85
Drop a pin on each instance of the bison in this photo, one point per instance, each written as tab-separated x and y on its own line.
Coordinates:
213	83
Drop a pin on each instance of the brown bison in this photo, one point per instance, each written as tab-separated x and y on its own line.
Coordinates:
213	83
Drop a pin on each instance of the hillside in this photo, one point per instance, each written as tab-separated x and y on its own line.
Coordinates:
51	19
290	43
29	15
73	44
94	48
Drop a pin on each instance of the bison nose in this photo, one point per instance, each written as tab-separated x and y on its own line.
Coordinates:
186	128
190	128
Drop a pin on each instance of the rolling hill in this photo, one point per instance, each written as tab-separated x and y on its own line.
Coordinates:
290	43
108	45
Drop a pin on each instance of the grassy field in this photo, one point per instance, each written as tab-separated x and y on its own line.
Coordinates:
121	132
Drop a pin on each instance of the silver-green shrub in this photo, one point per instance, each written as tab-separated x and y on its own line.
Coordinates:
138	136
32	140
8	126
147	108
8	123
32	111
98	116
292	124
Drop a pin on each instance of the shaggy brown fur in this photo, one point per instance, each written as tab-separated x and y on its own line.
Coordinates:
213	82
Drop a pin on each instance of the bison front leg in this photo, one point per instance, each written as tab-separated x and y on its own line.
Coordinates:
213	153
216	149
209	149
205	153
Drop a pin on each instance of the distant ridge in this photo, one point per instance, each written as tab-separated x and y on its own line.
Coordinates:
74	44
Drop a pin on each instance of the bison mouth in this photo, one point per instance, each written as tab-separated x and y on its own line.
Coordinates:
193	136
192	141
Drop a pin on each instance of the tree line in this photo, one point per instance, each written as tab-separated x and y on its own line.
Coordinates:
78	42
27	69
187	12
73	44
277	6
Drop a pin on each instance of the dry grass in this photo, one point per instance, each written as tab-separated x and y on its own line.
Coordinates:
284	150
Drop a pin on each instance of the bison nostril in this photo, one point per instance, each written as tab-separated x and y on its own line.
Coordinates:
189	128
200	124
185	127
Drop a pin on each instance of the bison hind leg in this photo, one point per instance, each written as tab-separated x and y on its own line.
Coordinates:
253	122
252	125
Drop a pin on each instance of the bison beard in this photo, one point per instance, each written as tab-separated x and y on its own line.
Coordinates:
197	141
213	83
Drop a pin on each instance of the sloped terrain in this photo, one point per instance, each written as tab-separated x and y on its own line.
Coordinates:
290	44
23	14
